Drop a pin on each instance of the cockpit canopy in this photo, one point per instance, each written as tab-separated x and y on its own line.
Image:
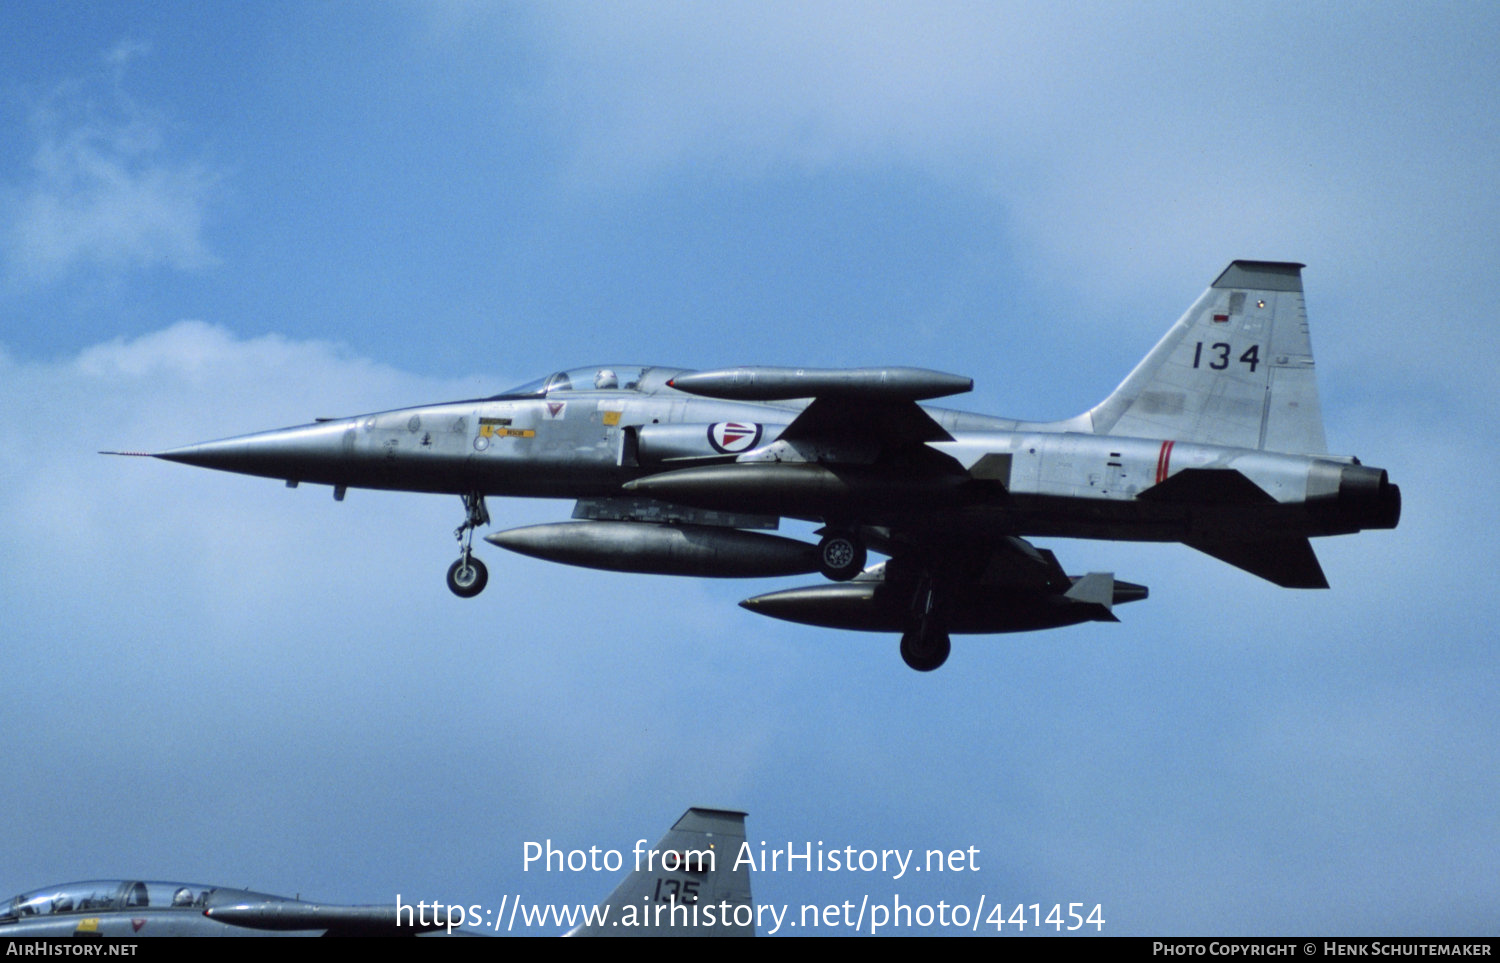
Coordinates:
106	895
645	379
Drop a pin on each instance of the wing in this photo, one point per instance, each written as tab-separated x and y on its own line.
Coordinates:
856	416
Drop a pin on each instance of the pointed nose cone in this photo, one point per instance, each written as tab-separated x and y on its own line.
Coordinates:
305	453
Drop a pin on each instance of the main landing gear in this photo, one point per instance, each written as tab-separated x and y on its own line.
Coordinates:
925	644
841	555
467	577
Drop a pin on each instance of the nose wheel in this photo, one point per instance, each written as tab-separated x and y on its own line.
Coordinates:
468	576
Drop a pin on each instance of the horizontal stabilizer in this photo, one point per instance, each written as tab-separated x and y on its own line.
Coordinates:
1288	562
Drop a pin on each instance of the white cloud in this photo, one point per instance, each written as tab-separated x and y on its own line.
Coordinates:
758	86
105	188
1131	149
121	54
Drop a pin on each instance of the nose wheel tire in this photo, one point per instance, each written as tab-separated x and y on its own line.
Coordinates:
467	577
840	556
925	650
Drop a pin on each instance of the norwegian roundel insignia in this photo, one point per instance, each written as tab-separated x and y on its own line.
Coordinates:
732	437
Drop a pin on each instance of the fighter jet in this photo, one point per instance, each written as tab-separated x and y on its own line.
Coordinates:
136	908
690	884
1214	440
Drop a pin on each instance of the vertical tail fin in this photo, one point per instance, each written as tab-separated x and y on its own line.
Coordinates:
1235	370
688	885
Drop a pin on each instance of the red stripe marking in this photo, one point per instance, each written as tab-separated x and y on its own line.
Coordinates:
1164	461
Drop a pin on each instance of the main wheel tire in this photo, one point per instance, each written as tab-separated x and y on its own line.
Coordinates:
467	577
925	651
840	556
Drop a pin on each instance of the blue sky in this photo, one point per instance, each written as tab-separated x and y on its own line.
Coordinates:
239	217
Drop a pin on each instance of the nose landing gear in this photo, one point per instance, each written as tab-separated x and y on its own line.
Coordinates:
468	576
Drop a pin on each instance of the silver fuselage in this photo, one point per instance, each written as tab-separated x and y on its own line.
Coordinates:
1000	477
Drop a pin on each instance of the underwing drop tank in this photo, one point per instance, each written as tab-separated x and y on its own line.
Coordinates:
660	548
880	606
